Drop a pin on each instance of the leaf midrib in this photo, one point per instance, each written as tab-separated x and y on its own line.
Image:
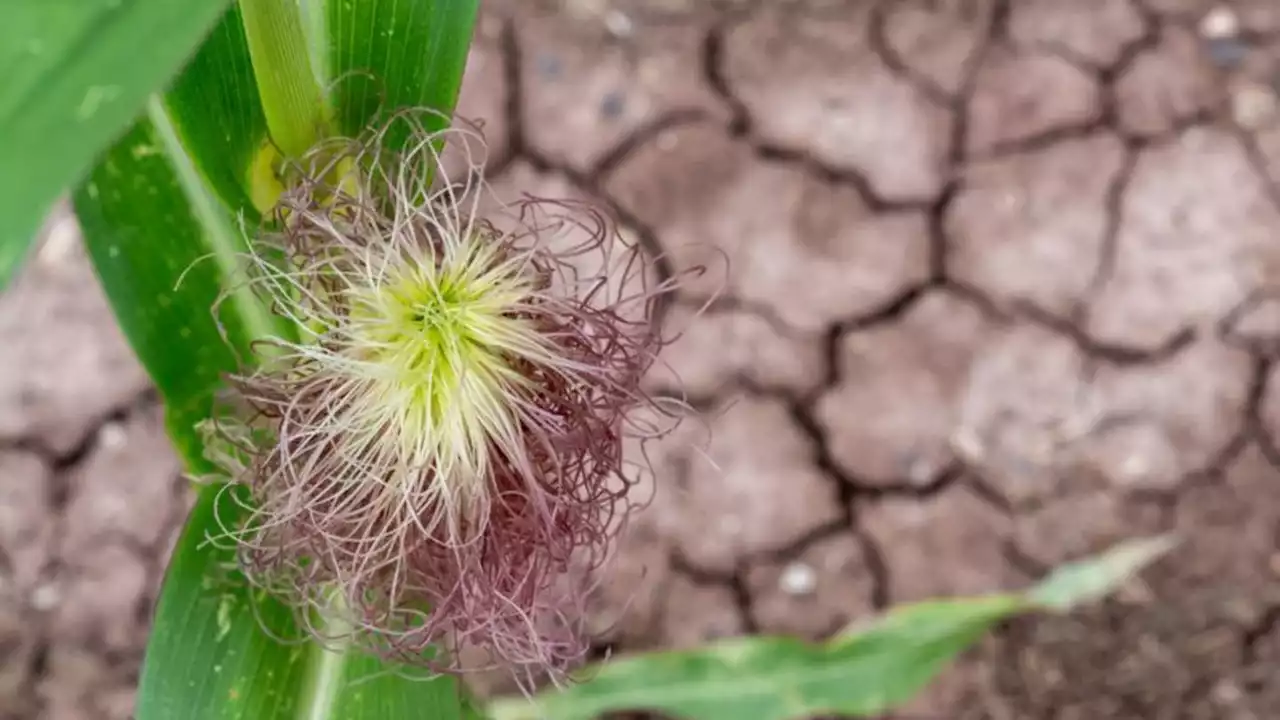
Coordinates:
759	682
225	242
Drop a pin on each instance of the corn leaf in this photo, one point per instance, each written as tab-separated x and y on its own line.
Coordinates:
864	671
164	213
75	75
377	57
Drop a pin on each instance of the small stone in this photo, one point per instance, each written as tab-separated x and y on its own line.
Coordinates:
814	593
798	579
618	24
1220	22
1135	467
60	244
967	444
111	436
1252	105
1227	692
46	597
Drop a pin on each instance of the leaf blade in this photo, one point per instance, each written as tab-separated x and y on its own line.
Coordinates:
172	191
218	116
208	656
251	674
142	236
866	670
382	55
778	678
74	81
141	213
1089	580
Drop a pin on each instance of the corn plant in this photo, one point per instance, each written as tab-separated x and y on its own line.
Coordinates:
402	411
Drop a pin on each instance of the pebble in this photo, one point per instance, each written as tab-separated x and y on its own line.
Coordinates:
798	579
1252	105
1220	22
618	24
46	597
112	436
60	242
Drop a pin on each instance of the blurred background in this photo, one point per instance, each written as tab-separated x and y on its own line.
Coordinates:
1001	292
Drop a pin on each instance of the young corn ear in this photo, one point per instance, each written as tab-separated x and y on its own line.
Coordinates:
445	435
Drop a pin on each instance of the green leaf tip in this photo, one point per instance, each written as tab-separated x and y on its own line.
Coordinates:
1092	579
872	666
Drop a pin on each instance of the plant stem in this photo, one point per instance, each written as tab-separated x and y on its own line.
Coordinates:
324	672
315	27
291	99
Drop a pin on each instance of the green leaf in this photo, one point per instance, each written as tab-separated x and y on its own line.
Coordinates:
143	234
218	117
779	678
382	55
163	212
209	657
148	222
864	671
75	75
1081	582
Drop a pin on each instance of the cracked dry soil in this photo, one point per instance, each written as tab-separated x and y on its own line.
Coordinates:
1002	290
